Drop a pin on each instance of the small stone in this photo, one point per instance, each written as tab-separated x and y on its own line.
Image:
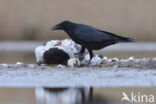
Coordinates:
32	66
124	60
115	59
105	58
60	66
154	59
96	60
131	58
19	63
145	59
5	65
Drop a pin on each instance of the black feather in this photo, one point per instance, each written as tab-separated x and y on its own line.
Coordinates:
55	56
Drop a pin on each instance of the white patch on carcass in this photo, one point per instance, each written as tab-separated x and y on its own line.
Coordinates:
71	45
39	51
67	45
87	57
52	43
73	62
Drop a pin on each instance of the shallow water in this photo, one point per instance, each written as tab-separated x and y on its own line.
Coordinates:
42	95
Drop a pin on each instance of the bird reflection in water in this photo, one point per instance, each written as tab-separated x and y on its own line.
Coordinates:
64	95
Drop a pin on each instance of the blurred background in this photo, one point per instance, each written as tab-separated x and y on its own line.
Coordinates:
30	19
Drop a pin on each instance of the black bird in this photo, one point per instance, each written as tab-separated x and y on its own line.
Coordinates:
89	37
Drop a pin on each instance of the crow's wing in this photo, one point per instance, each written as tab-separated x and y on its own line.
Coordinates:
90	34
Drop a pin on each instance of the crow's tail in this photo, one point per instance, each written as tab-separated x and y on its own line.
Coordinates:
123	39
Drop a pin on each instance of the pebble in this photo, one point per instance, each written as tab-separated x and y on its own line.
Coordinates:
115	59
5	65
154	59
105	58
60	66
96	60
19	63
131	58
32	65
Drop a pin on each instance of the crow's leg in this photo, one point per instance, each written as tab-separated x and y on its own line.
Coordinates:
81	56
91	56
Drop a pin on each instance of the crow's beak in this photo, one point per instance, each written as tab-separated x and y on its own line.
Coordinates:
56	27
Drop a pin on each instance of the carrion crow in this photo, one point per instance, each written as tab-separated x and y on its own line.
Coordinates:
89	37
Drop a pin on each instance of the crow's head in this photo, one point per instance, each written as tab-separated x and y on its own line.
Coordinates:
61	26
